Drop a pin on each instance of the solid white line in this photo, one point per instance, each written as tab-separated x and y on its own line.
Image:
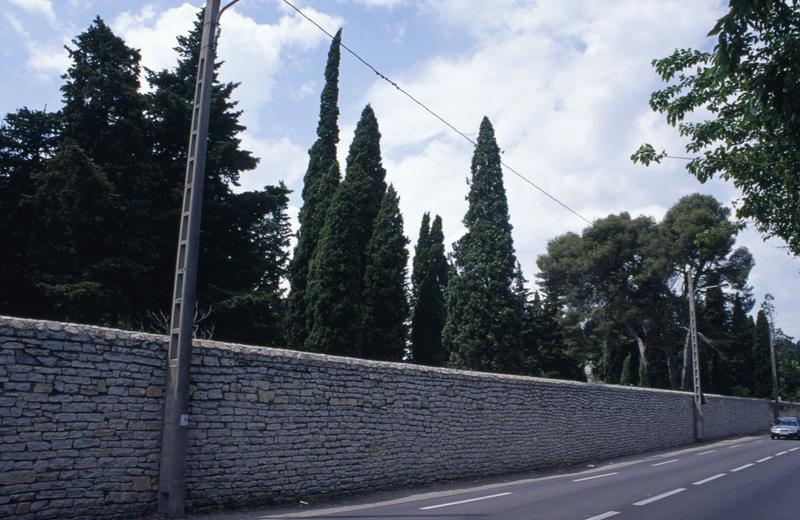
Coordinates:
740	468
659	497
465	501
780	453
609	514
596	476
709	479
666	462
735	446
765	459
709	451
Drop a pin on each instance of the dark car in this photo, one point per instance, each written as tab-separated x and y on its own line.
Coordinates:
786	428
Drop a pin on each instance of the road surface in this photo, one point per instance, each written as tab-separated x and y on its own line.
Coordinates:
748	478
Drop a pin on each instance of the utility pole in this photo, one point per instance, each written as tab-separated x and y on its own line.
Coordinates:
776	406
172	472
699	421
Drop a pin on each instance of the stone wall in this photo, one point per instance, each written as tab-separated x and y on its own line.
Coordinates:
81	409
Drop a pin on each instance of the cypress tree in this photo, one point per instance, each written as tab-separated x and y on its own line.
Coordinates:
385	298
319	184
762	371
420	262
740	339
430	282
483	324
625	377
333	295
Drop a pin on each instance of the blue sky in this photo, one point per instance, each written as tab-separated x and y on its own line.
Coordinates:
566	84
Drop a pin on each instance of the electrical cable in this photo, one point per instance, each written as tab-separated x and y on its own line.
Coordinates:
434	114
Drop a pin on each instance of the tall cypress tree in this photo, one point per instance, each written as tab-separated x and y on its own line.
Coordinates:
385	298
319	184
740	340
336	274
762	371
333	295
483	323
430	282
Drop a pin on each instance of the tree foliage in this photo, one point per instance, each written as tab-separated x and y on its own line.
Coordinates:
429	283
482	331
750	85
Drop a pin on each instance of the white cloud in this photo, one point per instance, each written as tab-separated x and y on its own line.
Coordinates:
48	61
281	160
41	7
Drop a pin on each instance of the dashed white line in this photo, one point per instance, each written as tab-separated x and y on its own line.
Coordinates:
794	449
709	479
596	476
666	462
781	453
740	468
756	442
608	514
706	452
659	497
735	446
765	459
464	501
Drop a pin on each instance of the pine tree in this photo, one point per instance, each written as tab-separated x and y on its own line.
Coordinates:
762	371
385	298
644	377
625	378
483	324
319	185
430	282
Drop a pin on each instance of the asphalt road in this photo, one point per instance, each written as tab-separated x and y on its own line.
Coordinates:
749	478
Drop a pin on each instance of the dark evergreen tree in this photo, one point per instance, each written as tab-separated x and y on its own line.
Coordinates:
385	297
483	323
740	341
336	274
75	207
366	175
430	282
762	371
319	184
28	138
712	320
625	378
333	296
419	266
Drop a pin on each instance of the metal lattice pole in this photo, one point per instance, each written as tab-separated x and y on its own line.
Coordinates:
698	392
172	473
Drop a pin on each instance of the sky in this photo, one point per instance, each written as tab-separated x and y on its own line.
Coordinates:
565	83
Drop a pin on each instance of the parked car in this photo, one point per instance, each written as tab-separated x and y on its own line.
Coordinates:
786	428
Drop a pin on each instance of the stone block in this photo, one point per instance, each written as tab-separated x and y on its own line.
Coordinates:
142	484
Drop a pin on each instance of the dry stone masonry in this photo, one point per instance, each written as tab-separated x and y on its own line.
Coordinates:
81	411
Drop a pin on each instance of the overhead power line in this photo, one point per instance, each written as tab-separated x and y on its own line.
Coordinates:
434	114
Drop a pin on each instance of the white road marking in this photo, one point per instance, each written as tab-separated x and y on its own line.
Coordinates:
465	501
596	476
709	479
735	446
765	459
666	462
756	442
740	468
794	449
780	453
659	497
705	452
608	514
